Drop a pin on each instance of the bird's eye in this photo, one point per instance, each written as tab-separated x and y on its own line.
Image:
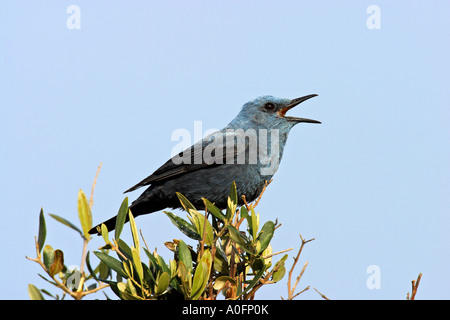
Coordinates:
269	106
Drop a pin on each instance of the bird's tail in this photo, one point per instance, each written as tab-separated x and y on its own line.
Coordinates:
137	208
110	224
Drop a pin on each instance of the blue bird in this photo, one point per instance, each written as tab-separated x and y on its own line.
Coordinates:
247	151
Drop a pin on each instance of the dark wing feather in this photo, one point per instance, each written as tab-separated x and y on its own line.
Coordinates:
172	168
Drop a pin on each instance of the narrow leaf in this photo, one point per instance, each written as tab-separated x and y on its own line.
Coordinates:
105	235
232	202
266	235
137	263
89	267
121	217
183	226
111	262
244	212
84	214
184	255
134	231
254	280
253	222
66	222
214	210
42	233
200	224
233	193
187	205
237	237
34	293
125	250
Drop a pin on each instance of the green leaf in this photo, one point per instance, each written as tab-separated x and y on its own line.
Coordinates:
187	205
121	217
221	264
66	222
257	264
162	282
186	279
137	263
266	235
200	280
84	214
280	269
221	281
199	283
34	293
125	250
105	235
233	193
255	280
183	226
237	237
42	233
244	212
214	210
49	256
232	201
163	264
279	274
154	263
58	263
134	231
253	223
104	271
200	224
92	272
184	255
111	262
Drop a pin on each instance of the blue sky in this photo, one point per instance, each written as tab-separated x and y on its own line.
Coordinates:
371	184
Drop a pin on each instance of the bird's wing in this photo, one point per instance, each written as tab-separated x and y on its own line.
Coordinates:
216	149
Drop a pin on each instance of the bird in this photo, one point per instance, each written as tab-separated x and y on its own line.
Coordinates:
247	152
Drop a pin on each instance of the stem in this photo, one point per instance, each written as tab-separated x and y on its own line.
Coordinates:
83	276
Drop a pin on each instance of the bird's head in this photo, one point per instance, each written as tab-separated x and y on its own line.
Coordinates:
270	112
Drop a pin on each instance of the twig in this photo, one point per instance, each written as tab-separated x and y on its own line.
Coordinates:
262	192
83	276
299	293
91	199
142	236
248	206
291	291
246	203
85	293
415	286
321	294
57	282
273	254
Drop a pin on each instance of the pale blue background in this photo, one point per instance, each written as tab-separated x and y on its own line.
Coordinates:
371	184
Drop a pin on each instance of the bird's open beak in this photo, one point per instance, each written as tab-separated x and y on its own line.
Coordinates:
293	103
